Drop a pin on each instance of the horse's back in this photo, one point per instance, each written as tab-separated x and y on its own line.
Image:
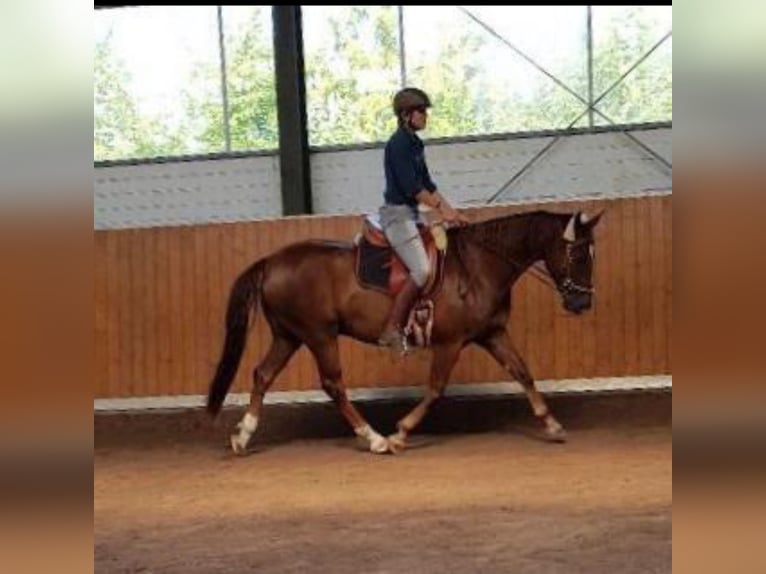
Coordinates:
310	288
310	256
309	276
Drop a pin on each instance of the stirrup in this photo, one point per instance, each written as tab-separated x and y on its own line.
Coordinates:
398	343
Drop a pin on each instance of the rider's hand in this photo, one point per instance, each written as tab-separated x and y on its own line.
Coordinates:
451	215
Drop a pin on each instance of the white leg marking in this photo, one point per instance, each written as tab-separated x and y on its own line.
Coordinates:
247	427
377	443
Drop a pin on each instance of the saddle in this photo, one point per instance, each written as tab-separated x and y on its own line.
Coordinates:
378	267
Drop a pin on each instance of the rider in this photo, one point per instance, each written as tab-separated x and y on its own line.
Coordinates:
408	183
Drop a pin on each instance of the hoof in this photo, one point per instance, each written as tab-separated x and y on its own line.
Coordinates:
558	435
379	445
397	443
236	446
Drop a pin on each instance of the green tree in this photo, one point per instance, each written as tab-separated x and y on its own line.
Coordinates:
461	88
647	93
120	131
251	93
349	83
453	77
114	112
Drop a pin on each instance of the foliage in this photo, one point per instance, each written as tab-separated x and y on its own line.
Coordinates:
350	81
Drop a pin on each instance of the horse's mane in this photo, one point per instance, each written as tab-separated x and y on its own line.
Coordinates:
496	228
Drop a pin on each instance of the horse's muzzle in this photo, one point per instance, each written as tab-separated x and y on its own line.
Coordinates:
578	302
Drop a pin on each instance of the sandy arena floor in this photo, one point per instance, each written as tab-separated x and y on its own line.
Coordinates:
497	500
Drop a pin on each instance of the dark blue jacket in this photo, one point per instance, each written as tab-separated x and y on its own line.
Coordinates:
406	171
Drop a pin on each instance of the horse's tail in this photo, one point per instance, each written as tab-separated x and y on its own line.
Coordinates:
244	295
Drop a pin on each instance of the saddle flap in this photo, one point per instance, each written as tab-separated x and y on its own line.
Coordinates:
378	267
399	271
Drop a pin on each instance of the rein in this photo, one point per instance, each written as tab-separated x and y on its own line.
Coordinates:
567	286
538	273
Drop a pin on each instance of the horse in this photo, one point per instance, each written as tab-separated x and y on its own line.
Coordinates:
310	295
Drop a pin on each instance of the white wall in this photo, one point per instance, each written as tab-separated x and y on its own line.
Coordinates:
184	193
242	189
577	166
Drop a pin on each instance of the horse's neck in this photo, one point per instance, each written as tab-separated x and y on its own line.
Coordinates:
508	244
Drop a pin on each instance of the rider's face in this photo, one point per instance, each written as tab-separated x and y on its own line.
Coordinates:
418	118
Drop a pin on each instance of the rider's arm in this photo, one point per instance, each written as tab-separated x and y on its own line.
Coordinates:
435	200
429	198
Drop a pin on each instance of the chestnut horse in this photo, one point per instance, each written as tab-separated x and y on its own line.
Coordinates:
310	296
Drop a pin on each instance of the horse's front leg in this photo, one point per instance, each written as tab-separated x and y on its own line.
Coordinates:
442	363
499	345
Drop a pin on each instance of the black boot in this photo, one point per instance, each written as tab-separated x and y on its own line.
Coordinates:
393	332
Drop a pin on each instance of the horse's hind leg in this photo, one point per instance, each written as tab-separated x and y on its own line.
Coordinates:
328	360
500	347
282	348
442	363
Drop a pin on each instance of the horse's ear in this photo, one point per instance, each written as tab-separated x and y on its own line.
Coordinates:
590	221
569	232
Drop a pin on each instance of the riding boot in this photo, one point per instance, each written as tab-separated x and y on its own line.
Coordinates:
393	333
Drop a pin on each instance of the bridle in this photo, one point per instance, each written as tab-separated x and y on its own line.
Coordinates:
568	286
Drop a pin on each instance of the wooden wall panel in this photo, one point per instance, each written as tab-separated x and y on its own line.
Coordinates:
160	297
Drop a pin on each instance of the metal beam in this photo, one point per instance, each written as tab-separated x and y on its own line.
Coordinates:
291	111
590	65
402	53
224	81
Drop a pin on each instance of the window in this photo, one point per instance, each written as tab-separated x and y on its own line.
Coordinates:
158	88
352	71
623	36
172	81
486	67
251	86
